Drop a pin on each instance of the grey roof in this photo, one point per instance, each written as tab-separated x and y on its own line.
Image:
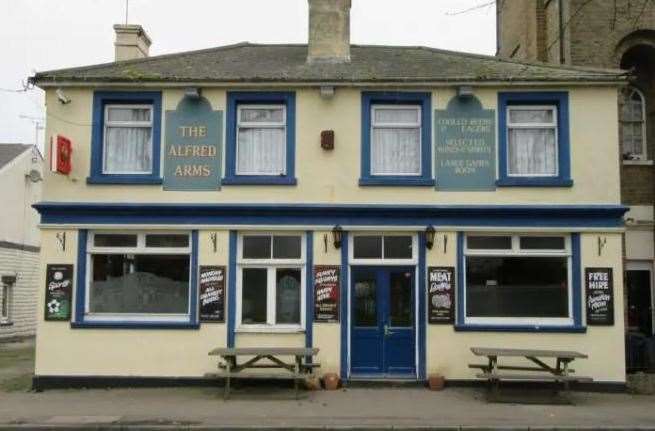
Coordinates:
246	62
9	152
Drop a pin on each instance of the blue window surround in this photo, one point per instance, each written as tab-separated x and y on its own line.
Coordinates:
100	100
557	98
232	289
80	294
343	311
370	98
576	276
234	98
309	296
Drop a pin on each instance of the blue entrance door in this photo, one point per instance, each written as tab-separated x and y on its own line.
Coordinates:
383	337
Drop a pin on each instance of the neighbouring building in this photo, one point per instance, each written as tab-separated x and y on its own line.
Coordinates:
392	206
606	34
20	182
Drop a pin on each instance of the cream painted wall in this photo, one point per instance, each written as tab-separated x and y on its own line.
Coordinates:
448	351
332	176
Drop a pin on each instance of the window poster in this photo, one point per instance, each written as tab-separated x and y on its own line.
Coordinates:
212	294
441	295
58	294
600	296
326	293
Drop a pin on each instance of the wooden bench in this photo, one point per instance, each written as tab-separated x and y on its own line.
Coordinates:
297	370
540	371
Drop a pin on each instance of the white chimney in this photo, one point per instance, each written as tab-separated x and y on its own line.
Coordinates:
329	31
132	42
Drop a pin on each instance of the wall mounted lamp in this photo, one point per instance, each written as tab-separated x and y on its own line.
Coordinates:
337	235
429	237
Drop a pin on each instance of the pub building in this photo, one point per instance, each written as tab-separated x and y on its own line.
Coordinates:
391	206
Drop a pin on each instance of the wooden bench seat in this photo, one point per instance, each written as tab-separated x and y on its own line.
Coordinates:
533	377
251	375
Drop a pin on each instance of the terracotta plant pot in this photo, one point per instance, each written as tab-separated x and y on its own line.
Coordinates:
331	381
436	382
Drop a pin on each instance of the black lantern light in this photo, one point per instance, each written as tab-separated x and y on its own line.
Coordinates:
337	233
429	237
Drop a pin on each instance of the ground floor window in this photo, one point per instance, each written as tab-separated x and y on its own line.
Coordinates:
140	276
518	279
5	305
271	281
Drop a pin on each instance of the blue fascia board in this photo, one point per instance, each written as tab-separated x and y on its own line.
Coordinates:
259	180
534	182
397	182
124	179
134	325
564	216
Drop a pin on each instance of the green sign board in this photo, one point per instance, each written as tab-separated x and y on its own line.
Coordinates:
192	157
465	146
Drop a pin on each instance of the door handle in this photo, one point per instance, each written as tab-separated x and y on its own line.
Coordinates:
387	331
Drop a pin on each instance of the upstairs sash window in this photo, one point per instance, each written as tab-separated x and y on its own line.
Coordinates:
532	140
396	140
261	140
632	112
128	139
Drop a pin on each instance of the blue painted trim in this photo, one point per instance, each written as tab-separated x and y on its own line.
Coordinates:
80	294
504	328
309	295
344	307
80	291
232	289
576	300
100	100
134	325
391	181
123	179
421	291
263	180
576	279
370	98
560	216
193	296
234	98
561	100
461	293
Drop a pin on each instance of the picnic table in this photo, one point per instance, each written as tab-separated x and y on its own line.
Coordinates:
300	367
540	370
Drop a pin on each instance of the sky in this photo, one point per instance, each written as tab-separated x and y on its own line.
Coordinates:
38	35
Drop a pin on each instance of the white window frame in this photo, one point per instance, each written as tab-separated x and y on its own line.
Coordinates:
136	124
7	298
382	261
644	148
516	251
139	249
553	125
261	125
271	265
375	125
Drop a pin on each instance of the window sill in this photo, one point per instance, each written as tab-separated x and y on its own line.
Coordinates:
267	180
520	328
6	323
134	325
638	162
396	182
534	182
269	330
124	179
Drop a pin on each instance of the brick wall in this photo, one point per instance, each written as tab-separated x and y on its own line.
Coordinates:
518	29
637	185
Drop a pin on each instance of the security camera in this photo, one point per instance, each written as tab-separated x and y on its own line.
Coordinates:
63	99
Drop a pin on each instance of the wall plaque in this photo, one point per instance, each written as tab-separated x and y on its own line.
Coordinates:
465	146
58	292
192	153
212	294
326	293
599	288
441	294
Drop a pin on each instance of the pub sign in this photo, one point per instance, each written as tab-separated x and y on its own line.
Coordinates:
441	294
326	293
58	293
599	288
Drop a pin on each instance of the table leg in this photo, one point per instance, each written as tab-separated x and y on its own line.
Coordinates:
297	373
228	372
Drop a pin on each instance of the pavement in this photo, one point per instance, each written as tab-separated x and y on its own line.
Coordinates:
268	407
